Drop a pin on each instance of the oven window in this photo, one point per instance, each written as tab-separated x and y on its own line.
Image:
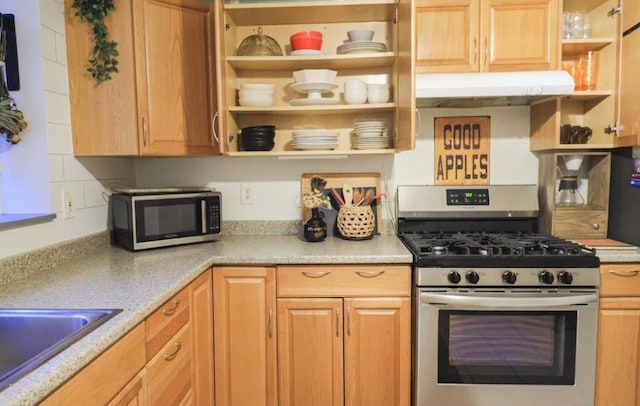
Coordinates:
507	347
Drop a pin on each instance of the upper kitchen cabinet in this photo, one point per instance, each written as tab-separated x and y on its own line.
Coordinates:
293	109
607	106
162	100
486	35
629	117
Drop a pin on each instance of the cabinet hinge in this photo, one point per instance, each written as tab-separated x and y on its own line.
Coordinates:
227	26
614	11
395	16
611	129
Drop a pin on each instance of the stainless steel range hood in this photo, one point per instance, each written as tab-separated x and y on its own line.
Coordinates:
490	88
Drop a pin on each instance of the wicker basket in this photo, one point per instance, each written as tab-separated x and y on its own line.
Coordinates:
356	222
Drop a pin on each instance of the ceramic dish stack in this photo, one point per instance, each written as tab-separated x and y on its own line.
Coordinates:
360	41
370	135
314	82
315	139
256	94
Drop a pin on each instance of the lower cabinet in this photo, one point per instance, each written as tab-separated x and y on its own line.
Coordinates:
166	360
617	373
244	303
344	335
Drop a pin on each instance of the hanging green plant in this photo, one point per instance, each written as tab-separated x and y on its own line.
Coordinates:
103	61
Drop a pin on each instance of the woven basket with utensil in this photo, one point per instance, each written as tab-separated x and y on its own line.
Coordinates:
356	222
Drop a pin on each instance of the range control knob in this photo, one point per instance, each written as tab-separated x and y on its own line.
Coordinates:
472	277
546	277
565	277
509	277
453	277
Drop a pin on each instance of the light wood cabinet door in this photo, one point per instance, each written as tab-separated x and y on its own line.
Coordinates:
134	393
377	351
519	35
310	352
629	104
244	313
202	328
617	359
161	101
486	35
174	76
447	35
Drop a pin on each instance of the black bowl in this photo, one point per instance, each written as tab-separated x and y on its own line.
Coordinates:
257	146
258	128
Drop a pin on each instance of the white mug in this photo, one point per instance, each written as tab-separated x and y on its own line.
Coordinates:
355	91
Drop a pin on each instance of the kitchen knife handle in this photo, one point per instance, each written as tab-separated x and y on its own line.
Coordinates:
315	274
625	274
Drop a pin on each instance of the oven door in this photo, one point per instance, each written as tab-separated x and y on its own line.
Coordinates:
504	347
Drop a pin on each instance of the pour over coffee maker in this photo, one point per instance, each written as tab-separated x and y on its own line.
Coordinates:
568	193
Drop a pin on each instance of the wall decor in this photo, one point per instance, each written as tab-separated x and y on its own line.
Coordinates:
12	121
104	60
11	57
462	150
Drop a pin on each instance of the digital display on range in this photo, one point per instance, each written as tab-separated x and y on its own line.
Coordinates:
467	197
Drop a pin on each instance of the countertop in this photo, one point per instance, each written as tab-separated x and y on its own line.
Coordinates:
140	282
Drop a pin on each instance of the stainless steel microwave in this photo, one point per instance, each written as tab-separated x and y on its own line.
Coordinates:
152	218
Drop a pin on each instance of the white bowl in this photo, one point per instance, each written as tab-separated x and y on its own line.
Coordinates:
256	101
255	93
257	86
377	93
315	75
360	35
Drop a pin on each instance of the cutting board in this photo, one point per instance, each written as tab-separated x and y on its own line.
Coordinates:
365	180
606	243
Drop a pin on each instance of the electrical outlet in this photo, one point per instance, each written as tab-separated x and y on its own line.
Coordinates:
247	193
68	207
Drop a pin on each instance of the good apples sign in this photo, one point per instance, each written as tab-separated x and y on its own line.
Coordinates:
462	150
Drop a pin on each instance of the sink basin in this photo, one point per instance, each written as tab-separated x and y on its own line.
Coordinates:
30	337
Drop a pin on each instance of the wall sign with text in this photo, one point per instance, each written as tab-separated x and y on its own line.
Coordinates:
462	150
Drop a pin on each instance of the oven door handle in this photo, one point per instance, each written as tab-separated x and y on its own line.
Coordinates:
508	302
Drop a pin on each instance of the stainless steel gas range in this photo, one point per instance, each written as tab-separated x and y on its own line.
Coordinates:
502	315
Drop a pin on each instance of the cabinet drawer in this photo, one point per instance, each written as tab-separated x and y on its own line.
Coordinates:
580	223
362	280
620	279
169	375
166	321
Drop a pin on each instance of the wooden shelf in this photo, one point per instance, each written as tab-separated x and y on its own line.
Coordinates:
311	153
587	95
349	61
245	13
581	46
298	110
581	5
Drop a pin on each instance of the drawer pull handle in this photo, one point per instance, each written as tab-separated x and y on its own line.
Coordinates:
371	274
625	274
337	323
315	274
596	226
169	312
349	321
270	330
169	357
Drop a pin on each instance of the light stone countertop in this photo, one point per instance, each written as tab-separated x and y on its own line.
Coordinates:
140	282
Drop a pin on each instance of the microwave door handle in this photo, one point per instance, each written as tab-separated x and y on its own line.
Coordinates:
203	215
508	301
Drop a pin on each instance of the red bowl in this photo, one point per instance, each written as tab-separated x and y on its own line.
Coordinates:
307	34
306	43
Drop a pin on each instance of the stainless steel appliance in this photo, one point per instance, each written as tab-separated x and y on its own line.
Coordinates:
152	218
624	210
503	315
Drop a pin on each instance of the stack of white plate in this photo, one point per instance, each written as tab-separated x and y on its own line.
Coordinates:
315	139
360	47
370	135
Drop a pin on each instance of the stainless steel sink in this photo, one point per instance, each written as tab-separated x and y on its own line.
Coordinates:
30	337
